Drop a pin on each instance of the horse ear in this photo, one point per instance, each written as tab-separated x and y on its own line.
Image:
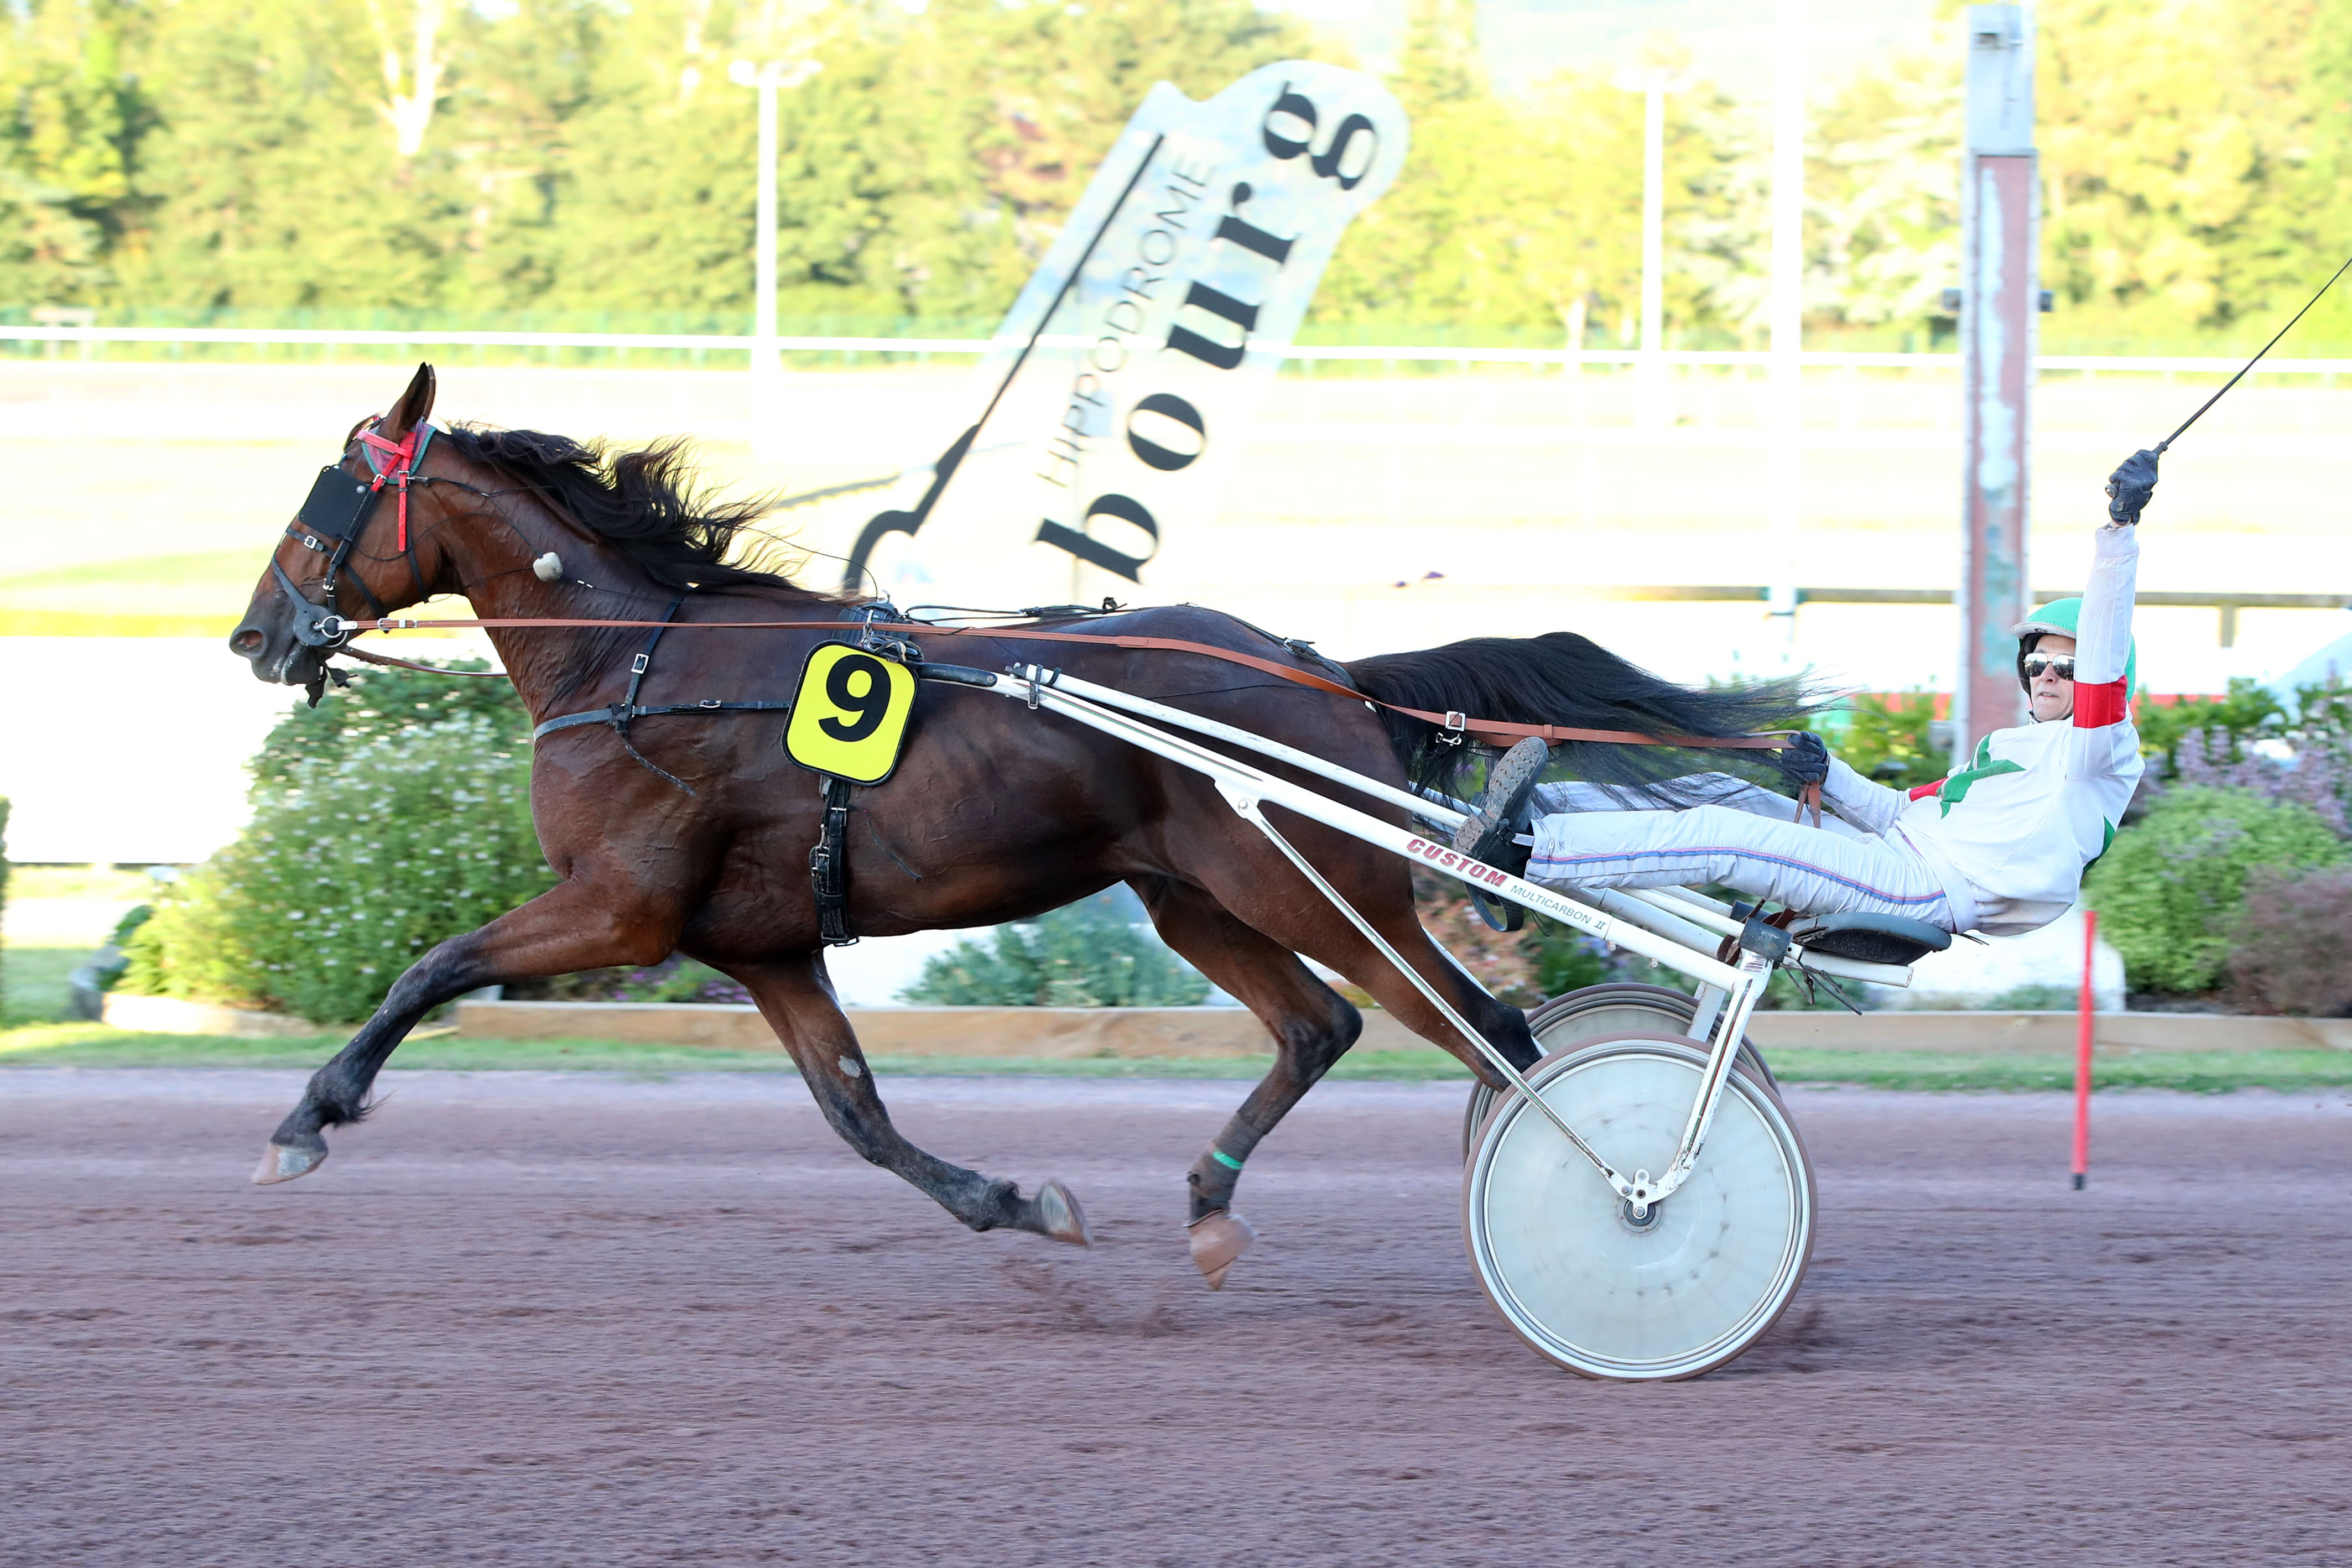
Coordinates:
415	407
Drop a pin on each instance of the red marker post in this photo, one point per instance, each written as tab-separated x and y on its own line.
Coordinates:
2082	1054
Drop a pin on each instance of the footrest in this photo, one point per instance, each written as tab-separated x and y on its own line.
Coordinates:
1869	938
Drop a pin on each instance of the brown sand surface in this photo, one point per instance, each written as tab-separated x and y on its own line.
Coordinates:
551	1320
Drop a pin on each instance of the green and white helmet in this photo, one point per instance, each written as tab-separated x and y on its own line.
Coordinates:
2064	617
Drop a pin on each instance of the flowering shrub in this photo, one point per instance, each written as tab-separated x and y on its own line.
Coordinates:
378	702
2315	776
355	864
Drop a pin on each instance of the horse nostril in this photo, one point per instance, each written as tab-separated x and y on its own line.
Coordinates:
247	640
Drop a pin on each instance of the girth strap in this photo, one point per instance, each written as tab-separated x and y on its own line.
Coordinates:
829	867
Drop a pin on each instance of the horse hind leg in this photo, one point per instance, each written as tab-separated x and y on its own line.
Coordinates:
799	1006
1312	1025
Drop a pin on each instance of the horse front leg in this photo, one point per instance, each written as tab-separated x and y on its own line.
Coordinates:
572	925
793	996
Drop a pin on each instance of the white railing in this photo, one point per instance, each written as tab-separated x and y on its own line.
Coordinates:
1401	354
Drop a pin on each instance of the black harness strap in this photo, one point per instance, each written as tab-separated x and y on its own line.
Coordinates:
620	714
358	505
829	867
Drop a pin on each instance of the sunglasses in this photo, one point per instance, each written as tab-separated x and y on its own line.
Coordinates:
2062	665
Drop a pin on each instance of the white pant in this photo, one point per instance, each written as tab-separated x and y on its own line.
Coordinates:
1743	837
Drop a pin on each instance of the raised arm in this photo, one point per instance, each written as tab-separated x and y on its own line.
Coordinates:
2104	735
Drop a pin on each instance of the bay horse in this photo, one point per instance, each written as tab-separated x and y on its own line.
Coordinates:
692	833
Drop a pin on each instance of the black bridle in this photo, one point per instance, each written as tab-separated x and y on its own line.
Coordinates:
336	513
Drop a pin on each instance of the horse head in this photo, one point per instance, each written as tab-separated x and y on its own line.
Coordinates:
352	550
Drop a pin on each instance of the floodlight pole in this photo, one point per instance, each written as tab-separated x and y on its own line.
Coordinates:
1650	389
2001	286
1785	509
767	369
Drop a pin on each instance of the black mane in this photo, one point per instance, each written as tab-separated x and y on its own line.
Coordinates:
645	501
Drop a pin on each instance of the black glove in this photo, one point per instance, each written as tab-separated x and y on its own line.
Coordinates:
2130	486
1805	759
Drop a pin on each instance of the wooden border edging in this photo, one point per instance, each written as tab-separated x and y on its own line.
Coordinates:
1073	1032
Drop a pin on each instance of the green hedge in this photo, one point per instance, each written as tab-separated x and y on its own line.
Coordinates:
1087	954
2170	891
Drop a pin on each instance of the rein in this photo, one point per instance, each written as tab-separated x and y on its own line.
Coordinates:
1494	732
389	662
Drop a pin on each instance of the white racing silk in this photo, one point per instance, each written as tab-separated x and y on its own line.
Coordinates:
1999	846
2036	804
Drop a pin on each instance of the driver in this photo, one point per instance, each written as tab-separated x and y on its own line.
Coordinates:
1999	846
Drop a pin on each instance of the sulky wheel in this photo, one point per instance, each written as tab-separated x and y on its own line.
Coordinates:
1574	1017
1562	1256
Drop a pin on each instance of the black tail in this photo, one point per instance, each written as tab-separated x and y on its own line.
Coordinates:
1564	679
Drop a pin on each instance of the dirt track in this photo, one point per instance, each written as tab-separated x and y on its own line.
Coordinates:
555	1320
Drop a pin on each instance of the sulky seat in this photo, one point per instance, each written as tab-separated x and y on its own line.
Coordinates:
1870	938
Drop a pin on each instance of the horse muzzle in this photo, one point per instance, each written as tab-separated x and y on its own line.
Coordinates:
288	643
293	651
277	655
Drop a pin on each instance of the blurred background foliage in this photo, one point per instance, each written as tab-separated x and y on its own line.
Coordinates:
579	159
1100	952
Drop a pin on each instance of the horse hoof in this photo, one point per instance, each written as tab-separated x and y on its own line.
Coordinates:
280	1163
1060	1217
1218	1240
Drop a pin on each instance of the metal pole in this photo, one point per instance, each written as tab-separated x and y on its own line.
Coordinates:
764	328
766	370
770	77
1651	394
2001	212
1786	509
1653	214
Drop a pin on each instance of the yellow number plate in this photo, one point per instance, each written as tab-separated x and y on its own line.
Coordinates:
849	718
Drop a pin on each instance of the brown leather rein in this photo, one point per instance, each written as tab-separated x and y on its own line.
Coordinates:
1494	732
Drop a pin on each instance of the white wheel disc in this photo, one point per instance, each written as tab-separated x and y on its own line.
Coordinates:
1575	1017
1574	1276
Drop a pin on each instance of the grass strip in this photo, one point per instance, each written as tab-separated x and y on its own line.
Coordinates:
2198	1072
96	1045
35	983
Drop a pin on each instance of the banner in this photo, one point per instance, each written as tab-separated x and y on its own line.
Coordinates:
1139	351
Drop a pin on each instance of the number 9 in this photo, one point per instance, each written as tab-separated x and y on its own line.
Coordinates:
871	706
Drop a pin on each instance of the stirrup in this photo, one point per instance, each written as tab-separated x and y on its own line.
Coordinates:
1500	915
1486	836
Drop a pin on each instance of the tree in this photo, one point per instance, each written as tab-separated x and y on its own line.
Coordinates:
71	112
